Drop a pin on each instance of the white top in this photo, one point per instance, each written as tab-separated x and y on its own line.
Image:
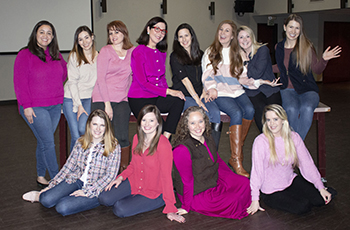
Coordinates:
83	177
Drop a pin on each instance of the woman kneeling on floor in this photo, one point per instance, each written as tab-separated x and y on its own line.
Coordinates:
276	152
91	166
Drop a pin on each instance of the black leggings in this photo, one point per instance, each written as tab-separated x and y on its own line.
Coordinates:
298	198
259	102
169	104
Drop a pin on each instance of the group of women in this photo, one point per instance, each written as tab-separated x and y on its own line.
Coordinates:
234	75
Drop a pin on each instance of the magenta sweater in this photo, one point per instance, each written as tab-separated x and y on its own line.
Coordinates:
38	83
148	67
113	76
272	178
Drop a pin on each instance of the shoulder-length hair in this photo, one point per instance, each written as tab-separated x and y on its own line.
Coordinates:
121	27
195	56
236	63
182	130
290	152
109	141
255	45
162	46
303	48
35	49
141	135
78	51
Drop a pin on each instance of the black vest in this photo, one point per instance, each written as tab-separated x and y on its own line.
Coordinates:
205	171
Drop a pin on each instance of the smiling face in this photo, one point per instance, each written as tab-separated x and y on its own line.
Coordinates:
154	36
292	30
116	37
98	128
149	124
196	125
245	41
85	41
185	39
274	123
225	35
44	36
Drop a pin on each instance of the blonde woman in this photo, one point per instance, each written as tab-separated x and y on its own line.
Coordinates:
296	60
276	152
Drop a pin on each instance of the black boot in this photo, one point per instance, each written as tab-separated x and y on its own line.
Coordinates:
216	133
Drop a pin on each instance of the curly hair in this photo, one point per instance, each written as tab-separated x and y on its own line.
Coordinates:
182	131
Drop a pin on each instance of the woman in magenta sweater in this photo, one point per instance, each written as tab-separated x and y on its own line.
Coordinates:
113	83
39	73
146	184
149	85
276	152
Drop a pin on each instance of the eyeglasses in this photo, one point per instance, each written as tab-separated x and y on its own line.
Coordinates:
157	29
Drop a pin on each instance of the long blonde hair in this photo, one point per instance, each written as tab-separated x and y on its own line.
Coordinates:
215	57
303	48
109	141
255	45
290	152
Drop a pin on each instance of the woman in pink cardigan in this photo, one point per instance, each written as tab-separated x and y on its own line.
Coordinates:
276	152
113	83
146	184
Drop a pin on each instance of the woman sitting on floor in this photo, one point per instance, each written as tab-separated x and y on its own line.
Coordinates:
91	166
203	182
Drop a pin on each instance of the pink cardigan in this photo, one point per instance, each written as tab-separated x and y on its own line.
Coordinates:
150	176
113	76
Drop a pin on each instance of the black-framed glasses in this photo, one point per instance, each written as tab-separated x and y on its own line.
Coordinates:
157	29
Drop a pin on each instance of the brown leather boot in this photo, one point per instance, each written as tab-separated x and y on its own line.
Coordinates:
236	150
245	129
124	158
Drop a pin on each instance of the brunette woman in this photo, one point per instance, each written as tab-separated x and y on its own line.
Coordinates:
149	85
82	77
91	166
256	57
296	61
185	62
203	181
146	184
113	83
38	76
276	152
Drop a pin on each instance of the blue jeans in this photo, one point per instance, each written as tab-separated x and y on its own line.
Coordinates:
44	126
125	204
76	128
300	109
236	108
213	114
58	196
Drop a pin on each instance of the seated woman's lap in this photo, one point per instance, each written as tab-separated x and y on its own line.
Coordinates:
109	198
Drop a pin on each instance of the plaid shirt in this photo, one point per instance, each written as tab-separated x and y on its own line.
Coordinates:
101	172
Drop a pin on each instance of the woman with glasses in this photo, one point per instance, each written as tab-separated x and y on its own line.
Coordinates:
149	85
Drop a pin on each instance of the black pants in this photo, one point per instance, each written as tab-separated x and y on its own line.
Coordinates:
169	104
298	198
120	121
259	102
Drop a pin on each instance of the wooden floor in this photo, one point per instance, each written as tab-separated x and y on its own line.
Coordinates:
18	174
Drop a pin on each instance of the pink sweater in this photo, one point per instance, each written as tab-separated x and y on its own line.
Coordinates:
150	176
38	83
272	178
113	76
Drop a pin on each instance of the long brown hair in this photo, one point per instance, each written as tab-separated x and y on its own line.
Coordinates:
236	63
290	152
78	51
182	131
121	27
108	140
303	48
141	135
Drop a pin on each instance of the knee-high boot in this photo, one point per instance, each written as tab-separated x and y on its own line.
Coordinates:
236	150
216	133
124	158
